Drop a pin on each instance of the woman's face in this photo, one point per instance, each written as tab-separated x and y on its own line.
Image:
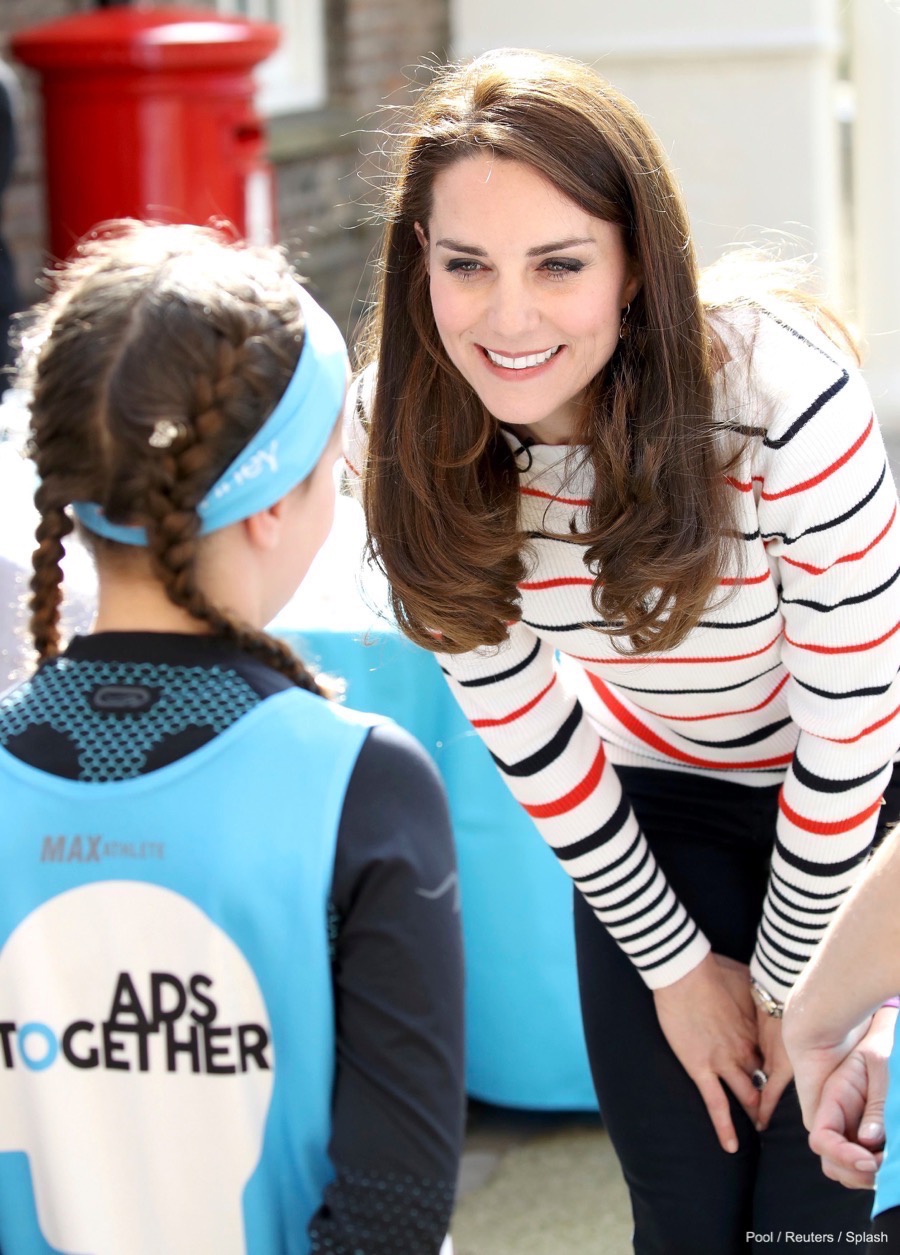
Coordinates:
527	289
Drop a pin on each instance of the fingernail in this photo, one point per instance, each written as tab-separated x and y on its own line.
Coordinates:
864	1165
871	1131
732	1146
760	1127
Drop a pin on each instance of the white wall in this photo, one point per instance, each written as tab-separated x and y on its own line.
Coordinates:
876	204
746	99
741	95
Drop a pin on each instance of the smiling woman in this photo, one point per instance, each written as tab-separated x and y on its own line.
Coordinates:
530	309
651	537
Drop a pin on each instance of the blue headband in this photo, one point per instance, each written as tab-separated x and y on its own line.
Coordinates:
285	449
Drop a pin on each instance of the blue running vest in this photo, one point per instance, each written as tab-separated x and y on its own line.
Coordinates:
166	1014
887	1180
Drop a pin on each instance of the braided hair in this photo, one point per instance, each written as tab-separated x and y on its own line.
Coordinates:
151	323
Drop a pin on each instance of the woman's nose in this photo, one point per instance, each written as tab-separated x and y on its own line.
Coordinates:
511	310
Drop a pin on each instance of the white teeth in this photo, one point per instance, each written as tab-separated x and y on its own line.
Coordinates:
520	363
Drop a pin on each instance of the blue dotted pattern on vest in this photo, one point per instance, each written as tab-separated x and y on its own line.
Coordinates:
62	696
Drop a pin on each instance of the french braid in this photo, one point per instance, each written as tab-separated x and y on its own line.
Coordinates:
151	322
181	478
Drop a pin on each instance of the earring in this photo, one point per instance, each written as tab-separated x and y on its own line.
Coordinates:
624	329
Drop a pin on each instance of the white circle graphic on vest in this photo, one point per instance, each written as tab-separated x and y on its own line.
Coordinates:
136	1080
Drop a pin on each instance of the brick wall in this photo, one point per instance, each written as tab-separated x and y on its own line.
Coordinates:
322	173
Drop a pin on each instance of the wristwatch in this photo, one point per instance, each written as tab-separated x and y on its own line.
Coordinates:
764	999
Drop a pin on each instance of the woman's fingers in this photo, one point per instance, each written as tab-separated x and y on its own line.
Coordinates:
717	1105
770	1095
740	1084
776	1065
709	1022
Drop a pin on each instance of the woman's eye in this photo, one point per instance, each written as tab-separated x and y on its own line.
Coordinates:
563	266
463	266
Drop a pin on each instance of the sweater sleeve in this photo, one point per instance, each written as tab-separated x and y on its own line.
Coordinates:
827	511
552	758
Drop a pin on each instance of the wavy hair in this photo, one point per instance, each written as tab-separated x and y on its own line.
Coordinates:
149	323
440	484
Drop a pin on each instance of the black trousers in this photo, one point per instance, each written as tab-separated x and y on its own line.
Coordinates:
713	839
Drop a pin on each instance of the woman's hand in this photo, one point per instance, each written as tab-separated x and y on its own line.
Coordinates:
775	1064
709	1020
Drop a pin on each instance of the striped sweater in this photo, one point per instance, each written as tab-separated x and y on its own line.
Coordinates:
791	674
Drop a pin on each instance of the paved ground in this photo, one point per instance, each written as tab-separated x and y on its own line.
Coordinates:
539	1184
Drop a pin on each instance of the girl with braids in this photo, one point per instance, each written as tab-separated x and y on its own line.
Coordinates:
230	999
651	536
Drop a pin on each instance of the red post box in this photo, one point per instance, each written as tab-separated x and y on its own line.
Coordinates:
149	113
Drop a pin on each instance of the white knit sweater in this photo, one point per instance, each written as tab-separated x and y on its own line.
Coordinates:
792	674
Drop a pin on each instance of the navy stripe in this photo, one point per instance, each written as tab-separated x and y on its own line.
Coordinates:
562	540
725	688
834	896
609	867
770	941
639	954
848	601
799	423
822	785
642	932
632	897
498	675
648	967
829	523
542	758
565	853
784	975
820	869
874	691
641	914
751	738
570	627
816	927
613	885
713	623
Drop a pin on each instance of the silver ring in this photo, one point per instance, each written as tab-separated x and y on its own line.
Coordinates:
759	1079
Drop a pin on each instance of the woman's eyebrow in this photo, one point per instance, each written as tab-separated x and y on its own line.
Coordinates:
540	250
455	247
557	246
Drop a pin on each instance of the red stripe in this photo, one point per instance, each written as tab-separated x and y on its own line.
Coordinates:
829	470
848	557
848	740
822	829
516	714
739	484
727	714
535	585
641	660
747	579
575	796
549	496
844	649
352	467
650	738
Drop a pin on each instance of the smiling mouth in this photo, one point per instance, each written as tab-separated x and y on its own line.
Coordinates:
524	361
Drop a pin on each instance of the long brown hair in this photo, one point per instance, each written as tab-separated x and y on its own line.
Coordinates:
151	323
440	484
